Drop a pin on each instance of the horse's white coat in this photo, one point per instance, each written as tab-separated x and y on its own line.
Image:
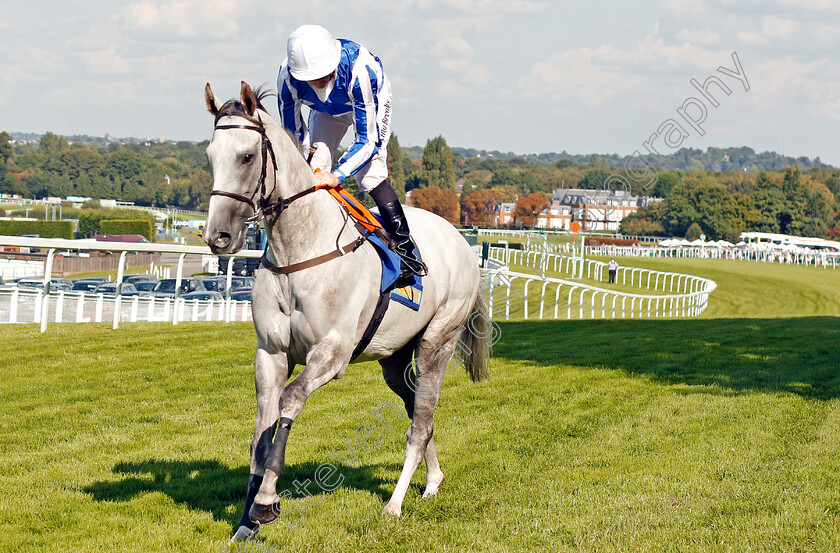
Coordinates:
315	317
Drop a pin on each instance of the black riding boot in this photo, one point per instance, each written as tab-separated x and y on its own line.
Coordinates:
393	219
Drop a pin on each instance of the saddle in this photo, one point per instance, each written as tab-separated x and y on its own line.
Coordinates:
370	229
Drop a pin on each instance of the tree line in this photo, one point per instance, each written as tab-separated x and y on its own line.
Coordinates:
462	189
145	173
722	205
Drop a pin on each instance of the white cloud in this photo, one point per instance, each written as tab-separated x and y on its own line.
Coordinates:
449	47
703	37
752	39
785	86
475	7
497	6
183	18
823	34
777	27
815	5
653	53
106	62
577	77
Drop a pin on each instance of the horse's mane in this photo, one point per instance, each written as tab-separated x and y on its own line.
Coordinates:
234	108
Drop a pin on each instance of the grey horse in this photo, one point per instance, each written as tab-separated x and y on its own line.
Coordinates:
317	290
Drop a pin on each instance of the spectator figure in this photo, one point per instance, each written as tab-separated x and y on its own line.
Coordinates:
612	267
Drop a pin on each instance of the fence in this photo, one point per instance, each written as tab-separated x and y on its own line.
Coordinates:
802	256
682	295
824	259
32	265
35	306
42	306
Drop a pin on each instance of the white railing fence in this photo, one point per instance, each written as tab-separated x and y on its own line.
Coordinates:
509	293
42	306
822	259
638	277
34	306
514	294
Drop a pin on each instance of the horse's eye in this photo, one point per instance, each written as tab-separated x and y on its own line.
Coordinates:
247	158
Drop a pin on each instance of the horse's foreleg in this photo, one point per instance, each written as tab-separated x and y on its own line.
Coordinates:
431	366
324	362
270	374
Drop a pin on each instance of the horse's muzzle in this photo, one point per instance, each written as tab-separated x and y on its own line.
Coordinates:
219	241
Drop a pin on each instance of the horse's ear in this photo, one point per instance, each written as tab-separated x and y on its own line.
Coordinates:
210	100
249	100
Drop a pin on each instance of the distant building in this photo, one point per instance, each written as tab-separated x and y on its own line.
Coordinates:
502	215
593	209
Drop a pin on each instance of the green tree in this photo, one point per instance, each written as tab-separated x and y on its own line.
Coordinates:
693	232
645	222
396	174
769	203
6	150
665	182
697	199
817	209
595	177
678	211
521	178
51	145
437	164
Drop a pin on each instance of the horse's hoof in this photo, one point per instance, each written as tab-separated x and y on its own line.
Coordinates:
433	485
263	514
243	533
393	510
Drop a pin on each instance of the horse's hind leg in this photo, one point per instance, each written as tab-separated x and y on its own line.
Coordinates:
431	363
398	371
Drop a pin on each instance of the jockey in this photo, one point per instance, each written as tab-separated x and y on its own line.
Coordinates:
344	85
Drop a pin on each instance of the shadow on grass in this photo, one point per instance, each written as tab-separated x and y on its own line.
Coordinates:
220	490
793	355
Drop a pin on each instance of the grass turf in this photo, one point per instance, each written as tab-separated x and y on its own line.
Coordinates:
717	434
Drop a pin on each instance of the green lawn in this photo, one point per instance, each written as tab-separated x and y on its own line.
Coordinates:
756	289
714	434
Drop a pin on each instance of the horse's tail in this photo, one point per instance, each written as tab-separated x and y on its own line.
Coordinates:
476	340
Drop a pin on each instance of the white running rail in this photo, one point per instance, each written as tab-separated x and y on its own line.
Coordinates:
41	306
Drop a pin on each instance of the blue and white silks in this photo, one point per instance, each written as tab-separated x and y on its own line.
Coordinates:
360	87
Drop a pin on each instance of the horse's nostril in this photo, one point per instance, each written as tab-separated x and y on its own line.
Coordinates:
223	240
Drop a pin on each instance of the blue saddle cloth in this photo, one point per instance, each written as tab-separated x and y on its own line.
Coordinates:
407	295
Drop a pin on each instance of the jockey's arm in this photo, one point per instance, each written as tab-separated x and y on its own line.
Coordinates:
290	113
364	121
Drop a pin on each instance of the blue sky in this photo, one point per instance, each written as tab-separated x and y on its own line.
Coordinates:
526	76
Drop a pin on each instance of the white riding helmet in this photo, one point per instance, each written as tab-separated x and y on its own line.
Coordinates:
312	52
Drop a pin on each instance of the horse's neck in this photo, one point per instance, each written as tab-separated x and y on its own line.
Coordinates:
310	225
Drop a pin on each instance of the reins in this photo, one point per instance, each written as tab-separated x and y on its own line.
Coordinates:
362	216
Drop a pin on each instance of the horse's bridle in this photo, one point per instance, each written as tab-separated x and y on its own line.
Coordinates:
263	206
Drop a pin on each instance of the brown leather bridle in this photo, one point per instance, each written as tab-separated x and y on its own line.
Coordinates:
263	206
